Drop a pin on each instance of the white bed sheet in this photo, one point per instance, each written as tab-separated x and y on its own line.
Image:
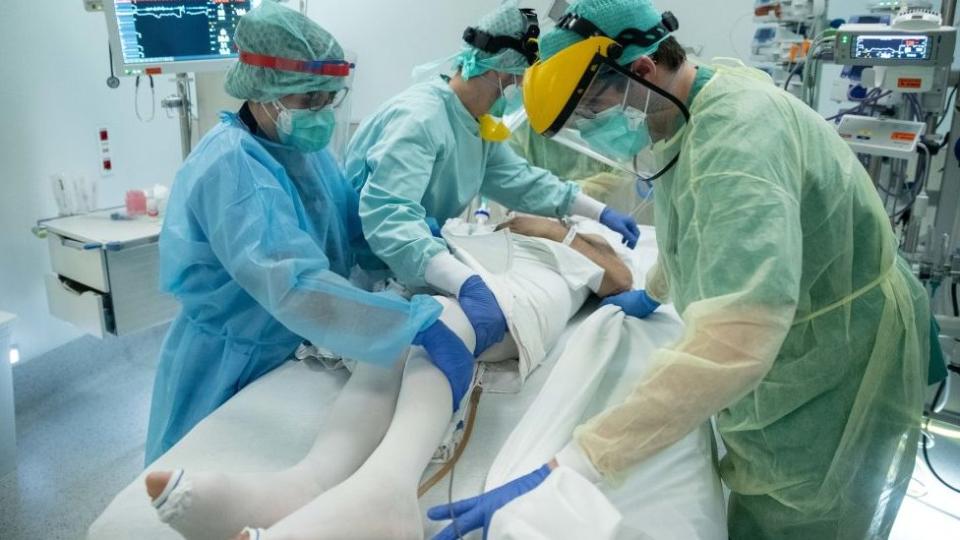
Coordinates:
272	423
674	494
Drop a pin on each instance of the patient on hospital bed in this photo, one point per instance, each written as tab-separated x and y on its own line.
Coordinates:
360	478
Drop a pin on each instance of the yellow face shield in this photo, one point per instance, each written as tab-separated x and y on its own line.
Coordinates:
583	99
551	88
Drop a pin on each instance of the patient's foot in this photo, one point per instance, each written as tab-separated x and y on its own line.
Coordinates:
380	499
369	505
217	505
156	482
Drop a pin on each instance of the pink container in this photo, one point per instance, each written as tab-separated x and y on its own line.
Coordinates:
136	203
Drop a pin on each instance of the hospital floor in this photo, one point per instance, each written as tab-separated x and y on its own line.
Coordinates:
81	424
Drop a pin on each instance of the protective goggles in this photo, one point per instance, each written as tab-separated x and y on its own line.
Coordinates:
527	44
584	99
321	99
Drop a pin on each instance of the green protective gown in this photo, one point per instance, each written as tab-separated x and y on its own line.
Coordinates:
420	155
804	328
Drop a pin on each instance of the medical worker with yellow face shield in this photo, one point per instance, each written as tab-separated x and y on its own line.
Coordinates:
430	151
262	231
806	336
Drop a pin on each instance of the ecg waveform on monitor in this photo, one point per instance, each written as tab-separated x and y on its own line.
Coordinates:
179	12
171	30
893	47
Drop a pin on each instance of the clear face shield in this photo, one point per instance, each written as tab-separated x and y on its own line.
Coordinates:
316	120
309	122
343	113
625	120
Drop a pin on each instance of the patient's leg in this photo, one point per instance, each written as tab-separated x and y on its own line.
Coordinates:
217	505
380	500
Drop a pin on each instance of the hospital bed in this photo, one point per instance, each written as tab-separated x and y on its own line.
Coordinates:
272	423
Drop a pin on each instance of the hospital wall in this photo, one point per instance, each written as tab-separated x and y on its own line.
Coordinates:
390	38
714	29
53	67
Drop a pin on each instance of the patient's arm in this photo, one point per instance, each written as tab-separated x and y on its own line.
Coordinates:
617	278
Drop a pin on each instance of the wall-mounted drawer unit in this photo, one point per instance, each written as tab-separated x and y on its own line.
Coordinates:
106	274
81	306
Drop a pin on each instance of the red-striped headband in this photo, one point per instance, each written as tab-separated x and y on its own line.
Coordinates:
330	68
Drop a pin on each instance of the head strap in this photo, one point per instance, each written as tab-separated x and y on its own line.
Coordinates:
631	36
526	44
329	68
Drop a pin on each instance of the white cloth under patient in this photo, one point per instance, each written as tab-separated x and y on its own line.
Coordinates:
540	284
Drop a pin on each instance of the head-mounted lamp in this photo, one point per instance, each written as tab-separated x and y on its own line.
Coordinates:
526	44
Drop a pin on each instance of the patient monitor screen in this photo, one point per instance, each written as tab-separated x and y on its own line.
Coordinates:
892	47
154	31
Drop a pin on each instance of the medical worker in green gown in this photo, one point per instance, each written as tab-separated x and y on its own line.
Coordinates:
431	150
806	335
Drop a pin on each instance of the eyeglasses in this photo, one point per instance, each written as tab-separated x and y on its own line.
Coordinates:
322	100
316	101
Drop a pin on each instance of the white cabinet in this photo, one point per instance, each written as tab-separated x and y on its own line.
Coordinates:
83	307
105	274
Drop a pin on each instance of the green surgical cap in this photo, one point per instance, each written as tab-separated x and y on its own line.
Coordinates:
611	16
274	30
505	21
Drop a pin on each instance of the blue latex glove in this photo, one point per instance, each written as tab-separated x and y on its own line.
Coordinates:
484	313
450	355
634	303
625	225
435	228
471	514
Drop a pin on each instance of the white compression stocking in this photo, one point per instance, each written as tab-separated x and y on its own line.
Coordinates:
380	500
217	505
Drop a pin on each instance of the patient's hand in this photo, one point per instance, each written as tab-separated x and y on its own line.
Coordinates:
616	276
538	227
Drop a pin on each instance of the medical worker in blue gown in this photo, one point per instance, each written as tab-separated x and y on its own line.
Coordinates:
428	152
261	232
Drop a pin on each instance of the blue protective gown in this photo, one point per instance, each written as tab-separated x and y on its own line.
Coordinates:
420	155
256	244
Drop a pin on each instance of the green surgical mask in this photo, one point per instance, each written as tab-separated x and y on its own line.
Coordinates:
618	133
509	102
305	129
